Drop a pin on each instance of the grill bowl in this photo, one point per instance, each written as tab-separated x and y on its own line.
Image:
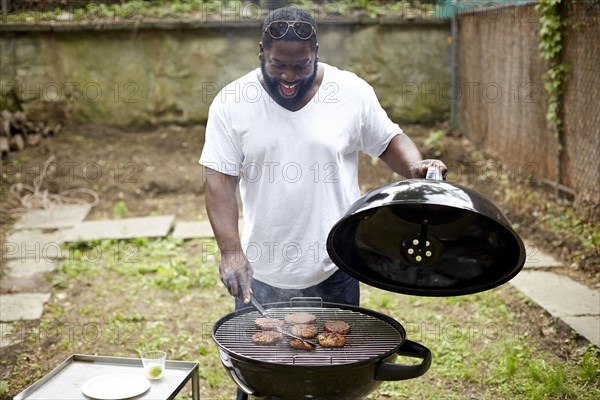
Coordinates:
350	372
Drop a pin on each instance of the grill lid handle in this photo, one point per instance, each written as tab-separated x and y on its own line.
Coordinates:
399	372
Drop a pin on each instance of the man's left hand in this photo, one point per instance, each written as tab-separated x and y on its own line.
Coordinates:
425	164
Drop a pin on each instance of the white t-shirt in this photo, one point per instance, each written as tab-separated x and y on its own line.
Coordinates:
299	170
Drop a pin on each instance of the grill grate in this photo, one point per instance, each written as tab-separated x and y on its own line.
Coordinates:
370	337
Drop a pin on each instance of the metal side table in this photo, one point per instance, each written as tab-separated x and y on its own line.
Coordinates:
65	381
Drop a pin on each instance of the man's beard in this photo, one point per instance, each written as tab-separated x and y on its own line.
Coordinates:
272	85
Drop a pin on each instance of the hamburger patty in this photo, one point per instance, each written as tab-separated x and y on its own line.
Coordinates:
265	325
266	338
337	326
300	345
331	339
305	331
300	318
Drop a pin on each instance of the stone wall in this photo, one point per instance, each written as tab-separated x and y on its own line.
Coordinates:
169	73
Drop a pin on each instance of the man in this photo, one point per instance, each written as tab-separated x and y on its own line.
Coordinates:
290	133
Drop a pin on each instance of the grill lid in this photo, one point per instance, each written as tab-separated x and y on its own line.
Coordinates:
428	238
369	337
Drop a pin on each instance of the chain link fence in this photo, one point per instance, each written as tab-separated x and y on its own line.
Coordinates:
580	162
502	101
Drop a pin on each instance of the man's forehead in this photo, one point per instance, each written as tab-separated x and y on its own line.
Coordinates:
290	60
288	48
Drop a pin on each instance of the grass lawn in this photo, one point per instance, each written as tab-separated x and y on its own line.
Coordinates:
119	298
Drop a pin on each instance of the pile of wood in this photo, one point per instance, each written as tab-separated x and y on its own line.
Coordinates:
16	132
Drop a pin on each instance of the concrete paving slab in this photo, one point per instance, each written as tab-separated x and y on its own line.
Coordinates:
26	276
60	216
536	258
20	306
127	228
586	326
196	229
559	295
36	283
34	244
25	268
191	230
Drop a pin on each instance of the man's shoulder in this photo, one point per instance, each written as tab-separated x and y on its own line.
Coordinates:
235	92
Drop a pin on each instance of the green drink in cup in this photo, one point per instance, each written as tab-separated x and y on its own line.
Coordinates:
154	363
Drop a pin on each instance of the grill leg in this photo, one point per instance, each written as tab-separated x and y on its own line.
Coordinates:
241	395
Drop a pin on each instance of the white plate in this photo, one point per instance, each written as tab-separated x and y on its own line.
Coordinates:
115	386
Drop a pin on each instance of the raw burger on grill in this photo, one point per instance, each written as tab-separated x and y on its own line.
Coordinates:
300	345
305	331
265	325
337	326
331	339
266	338
300	318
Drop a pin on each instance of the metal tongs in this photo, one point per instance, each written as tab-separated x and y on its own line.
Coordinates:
263	312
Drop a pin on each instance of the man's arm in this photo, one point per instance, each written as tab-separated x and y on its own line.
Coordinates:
404	158
222	208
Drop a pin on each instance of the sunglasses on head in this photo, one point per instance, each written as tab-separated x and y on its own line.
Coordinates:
278	29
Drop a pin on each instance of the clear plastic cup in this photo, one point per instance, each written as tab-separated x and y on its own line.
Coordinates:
154	363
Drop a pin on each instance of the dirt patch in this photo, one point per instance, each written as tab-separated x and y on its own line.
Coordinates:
134	173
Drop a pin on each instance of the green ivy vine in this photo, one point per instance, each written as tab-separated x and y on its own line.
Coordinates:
550	46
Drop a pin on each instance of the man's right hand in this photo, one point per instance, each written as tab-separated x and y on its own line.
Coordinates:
236	275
